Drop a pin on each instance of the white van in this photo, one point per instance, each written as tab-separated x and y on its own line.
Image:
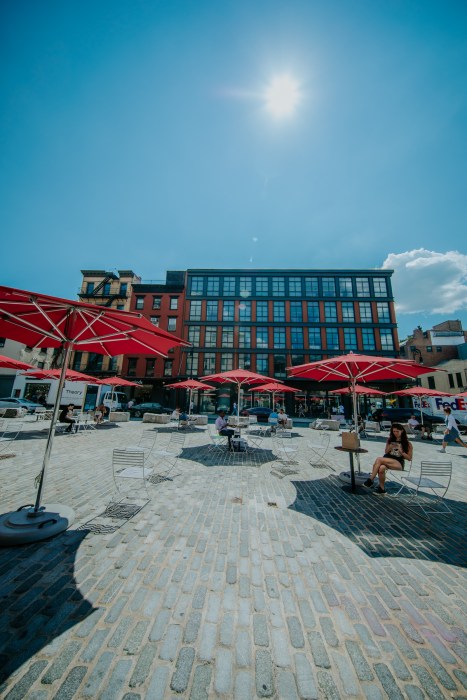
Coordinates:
114	400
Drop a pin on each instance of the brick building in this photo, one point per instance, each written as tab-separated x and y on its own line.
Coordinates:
439	344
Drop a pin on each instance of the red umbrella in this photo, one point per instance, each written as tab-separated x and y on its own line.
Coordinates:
276	387
359	389
44	321
420	392
70	376
10	363
240	377
114	382
190	384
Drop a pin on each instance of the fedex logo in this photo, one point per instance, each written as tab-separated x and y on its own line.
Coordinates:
441	402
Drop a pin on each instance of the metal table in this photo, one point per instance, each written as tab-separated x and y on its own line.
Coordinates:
351	452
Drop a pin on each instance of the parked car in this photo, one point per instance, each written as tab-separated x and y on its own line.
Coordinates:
139	409
261	412
28	406
403	415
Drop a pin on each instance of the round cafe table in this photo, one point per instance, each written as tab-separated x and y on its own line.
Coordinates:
351	452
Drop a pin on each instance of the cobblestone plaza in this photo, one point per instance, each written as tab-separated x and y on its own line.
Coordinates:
238	579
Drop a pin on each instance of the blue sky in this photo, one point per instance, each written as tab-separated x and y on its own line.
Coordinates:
134	134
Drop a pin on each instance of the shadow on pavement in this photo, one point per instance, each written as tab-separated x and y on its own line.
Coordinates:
39	598
383	526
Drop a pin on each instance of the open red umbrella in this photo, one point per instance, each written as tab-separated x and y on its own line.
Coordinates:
275	387
71	375
44	321
359	390
420	392
114	382
10	363
190	384
240	377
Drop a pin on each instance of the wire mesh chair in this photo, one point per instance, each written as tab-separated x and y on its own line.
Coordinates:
427	490
129	472
9	431
167	457
284	447
318	450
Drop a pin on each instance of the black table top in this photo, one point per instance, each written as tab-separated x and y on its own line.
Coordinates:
357	450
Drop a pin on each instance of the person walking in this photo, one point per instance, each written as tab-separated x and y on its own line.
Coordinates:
451	434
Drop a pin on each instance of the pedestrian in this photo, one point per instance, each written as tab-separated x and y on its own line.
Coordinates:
235	409
451	434
130	404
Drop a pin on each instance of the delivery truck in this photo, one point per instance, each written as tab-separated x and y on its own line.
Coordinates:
84	396
434	406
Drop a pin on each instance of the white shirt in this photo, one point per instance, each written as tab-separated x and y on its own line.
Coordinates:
220	423
413	422
451	422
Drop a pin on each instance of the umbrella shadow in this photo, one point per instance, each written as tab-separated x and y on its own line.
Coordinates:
209	457
382	526
40	599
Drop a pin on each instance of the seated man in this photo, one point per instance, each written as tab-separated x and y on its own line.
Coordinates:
222	429
414	424
66	416
175	415
282	418
273	420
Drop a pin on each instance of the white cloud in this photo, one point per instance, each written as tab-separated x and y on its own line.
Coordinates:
428	282
254	239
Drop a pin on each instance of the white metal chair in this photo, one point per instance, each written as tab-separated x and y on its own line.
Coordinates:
370	429
168	457
9	431
318	450
284	447
217	442
129	471
145	444
427	490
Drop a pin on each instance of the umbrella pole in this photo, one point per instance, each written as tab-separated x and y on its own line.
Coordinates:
189	402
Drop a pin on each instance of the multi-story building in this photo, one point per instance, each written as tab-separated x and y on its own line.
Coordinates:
264	320
106	289
439	344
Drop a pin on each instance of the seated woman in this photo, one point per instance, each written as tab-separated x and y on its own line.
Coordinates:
398	449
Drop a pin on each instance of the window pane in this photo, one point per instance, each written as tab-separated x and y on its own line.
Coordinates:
156	302
368	338
154	320
295	286
382	308
228	311
209	363
311	287
195	311
132	366
244	311
262	311
174	303
172	324
314	338
332	339
329	287
365	312
262	340
193	335
210	337
278	287
244	361
297	338
262	286
279	311
313	311
297	360
212	289
348	315
192	363
279	366
279	338
150	364
387	342
244	337
226	361
139	303
211	310
245	287
229	286
350	339
262	364
345	287
227	337
296	315
379	285
196	286
363	286
330	311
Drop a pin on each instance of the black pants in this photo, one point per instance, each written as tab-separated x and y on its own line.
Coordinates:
71	422
228	432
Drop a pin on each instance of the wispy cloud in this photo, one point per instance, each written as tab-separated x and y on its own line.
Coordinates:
425	281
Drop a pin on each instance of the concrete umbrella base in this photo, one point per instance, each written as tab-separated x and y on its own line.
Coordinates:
24	526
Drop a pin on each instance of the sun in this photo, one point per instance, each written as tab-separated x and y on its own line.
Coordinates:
282	96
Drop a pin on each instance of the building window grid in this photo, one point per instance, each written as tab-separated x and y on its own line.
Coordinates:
226	361
212	310
228	311
196	286
380	287
139	303
296	338
365	312
262	287
279	311
278	286
210	337
382	310
332	339
244	337
228	286
350	339
244	360
363	286
262	311
195	311
150	366
311	287
387	342
172	323
245	287
227	337
173	303
262	363
330	312
345	287
348	315
193	335
368	338
329	286
280	338
295	286
209	363
314	338
244	311
192	363
313	311
296	312
212	287
262	337
279	365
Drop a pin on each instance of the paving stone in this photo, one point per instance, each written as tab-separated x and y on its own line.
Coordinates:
21	688
97	675
263	674
201	682
71	683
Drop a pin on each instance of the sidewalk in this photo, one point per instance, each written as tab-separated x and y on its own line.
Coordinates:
233	581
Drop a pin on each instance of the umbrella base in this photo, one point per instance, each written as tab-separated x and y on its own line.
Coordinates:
25	526
360	477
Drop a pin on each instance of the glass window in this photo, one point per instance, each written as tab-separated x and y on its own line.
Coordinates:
279	338
429	348
262	338
329	287
150	365
174	303
155	320
244	311
106	289
296	338
212	288
298	360
226	361
172	323
330	311
245	287
345	287
209	363
350	339
192	363
296	315
229	286
431	382
193	335
113	364
244	337
363	286
278	287
451	381
244	360
459	379
365	312
311	287
89	287
295	286
262	287
332	339
196	286
120	307
279	366
210	337
77	361
139	304
262	362
387	342
195	311
382	309
348	315
279	311
211	310
168	364
227	337
368	338
379	285
262	311
123	288
228	311
313	311
156	302
314	338
132	366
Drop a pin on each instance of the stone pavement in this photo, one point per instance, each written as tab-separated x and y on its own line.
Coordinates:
234	581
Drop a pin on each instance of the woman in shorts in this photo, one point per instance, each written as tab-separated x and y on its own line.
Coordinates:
398	449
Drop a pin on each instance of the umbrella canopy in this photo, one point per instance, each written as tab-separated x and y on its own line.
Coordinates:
240	377
44	321
359	390
70	376
420	392
114	382
354	368
276	387
190	384
10	363
463	395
